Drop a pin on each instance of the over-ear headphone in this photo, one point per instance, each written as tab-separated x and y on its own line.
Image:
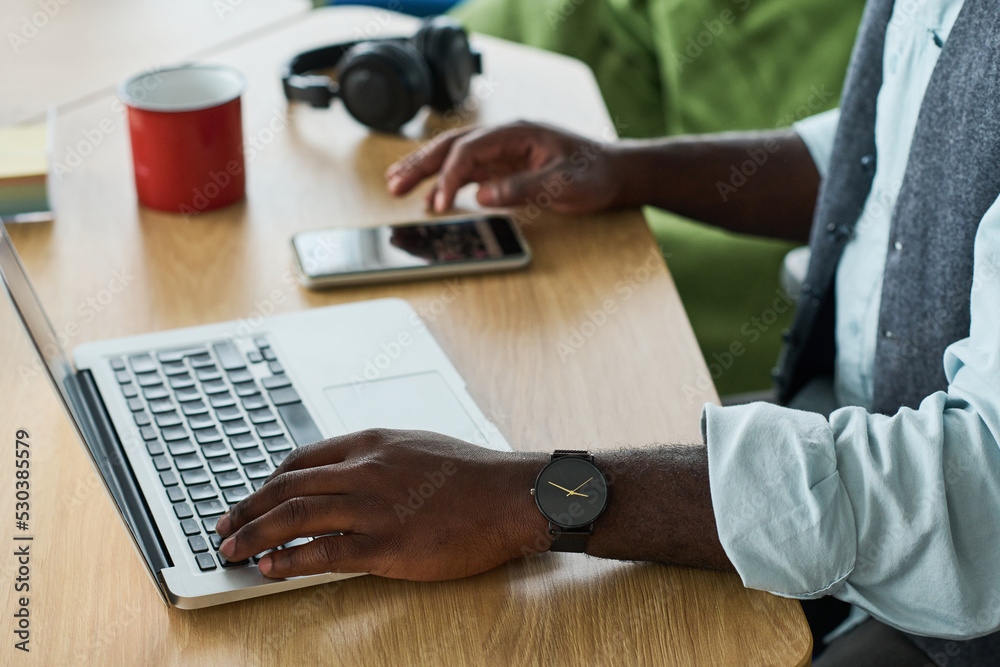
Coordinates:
385	82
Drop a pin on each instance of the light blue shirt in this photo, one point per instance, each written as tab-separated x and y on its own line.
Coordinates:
899	515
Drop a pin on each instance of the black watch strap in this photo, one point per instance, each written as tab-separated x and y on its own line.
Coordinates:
570	540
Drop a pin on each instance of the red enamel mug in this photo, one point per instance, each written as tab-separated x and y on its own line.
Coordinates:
186	128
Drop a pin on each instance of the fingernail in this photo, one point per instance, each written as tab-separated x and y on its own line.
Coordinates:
227	546
265	565
439	203
489	194
222	527
394	182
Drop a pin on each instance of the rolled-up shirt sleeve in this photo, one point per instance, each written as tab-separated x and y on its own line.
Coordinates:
897	514
817	133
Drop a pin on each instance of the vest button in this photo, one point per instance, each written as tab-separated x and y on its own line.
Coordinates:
898	246
868	164
888	334
786	335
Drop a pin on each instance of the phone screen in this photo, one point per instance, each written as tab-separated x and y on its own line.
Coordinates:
332	252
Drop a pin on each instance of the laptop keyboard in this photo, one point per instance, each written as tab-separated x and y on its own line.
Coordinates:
216	421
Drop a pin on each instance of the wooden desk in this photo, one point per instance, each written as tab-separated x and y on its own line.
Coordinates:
623	384
42	39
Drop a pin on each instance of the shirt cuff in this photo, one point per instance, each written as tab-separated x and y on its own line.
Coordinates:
784	517
817	133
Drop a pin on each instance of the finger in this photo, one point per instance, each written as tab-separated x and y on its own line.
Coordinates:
292	484
468	156
292	519
514	190
339	553
327	452
406	173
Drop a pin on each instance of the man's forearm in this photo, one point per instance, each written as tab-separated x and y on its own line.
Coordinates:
752	182
659	508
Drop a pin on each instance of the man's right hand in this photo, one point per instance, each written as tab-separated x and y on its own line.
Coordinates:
514	165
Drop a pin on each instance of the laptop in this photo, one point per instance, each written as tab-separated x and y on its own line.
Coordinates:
182	424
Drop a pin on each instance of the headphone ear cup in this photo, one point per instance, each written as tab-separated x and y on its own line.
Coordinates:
444	45
384	84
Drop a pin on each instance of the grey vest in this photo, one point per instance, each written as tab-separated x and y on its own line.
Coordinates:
952	177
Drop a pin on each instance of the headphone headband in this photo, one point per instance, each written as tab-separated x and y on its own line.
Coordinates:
318	90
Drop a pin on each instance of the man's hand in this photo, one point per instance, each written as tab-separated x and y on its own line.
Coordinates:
514	164
409	504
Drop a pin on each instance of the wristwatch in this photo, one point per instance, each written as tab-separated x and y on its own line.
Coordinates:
571	492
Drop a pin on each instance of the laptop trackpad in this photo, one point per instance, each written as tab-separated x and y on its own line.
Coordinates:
421	401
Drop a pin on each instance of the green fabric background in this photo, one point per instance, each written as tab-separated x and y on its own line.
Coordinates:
690	66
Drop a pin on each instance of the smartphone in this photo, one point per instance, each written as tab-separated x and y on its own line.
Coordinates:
334	257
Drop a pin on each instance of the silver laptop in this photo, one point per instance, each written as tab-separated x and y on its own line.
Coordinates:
182	424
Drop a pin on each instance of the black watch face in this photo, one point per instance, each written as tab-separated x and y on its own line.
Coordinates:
571	492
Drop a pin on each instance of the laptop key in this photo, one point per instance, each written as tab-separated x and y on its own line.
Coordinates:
210	523
229	479
235	494
257	472
142	418
257	483
244	389
195	477
174	368
278	458
135	404
180	447
198	544
275	367
221	464
208	373
203	492
123	377
209	508
216	540
183	511
130	390
205	435
165	419
184	381
117	364
261	342
154	447
167	356
201	360
168	478
236	427
228	414
155	392
148	433
269	430
248	456
276	382
196	422
254	402
241	375
142	363
223	400
190	527
229	357
205	562
185	395
269	354
261	416
214	386
285	396
174	433
187	462
148	379
161	463
175	494
161	405
279	444
196	407
242	441
213	450
255	357
300	424
226	563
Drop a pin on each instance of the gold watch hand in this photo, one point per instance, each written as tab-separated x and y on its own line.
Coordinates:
574	490
568	492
